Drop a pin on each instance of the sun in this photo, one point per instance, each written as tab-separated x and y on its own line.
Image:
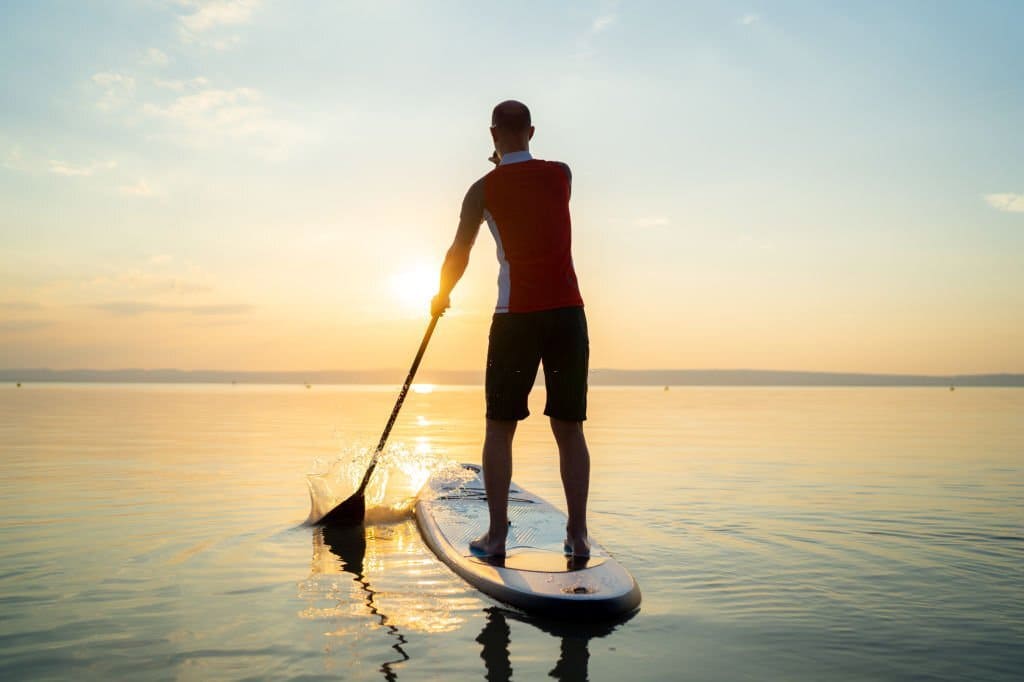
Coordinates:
413	288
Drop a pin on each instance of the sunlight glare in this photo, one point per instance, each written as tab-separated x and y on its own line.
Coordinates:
414	287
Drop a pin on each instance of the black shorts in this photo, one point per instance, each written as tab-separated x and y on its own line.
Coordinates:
518	344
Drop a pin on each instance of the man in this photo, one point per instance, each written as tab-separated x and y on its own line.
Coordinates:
539	318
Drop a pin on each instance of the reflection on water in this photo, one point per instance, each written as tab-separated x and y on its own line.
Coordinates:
354	550
349	546
783	534
376	553
495	639
574	644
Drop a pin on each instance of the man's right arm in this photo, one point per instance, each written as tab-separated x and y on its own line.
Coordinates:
457	258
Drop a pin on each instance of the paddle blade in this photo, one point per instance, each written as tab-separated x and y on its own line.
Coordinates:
348	513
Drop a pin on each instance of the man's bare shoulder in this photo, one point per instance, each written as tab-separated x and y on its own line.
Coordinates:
478	186
475	194
473	204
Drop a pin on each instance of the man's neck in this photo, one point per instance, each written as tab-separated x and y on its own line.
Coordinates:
516	156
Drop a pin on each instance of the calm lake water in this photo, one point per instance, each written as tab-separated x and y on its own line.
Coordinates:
156	532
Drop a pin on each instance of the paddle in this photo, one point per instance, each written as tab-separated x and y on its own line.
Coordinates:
353	509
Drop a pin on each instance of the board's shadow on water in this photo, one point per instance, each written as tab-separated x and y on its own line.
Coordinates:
349	545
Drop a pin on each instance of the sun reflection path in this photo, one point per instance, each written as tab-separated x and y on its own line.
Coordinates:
377	553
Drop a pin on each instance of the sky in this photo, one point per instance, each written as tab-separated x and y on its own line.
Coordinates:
272	185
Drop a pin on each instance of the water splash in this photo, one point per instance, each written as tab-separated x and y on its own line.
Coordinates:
391	494
446	475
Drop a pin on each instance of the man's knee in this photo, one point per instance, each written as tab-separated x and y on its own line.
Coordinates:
501	429
566	430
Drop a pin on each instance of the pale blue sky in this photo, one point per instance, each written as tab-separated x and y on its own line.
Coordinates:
790	185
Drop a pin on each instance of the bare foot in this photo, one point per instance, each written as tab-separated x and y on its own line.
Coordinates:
484	547
577	547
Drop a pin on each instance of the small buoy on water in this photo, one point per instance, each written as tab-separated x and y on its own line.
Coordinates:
952	388
307	385
19	384
666	388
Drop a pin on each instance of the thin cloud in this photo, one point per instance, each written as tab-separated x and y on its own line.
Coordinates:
20	306
750	19
136	308
209	106
134	283
213	13
220	44
598	25
751	240
207	116
13	159
193	112
139	189
651	221
117	89
70	170
180	85
209	16
108	79
1010	202
602	22
10	326
155	57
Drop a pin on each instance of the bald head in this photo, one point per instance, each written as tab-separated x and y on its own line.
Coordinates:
511	116
511	128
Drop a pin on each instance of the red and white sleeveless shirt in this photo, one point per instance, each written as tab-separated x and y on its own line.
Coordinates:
526	206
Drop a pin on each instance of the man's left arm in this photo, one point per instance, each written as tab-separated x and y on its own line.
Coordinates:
457	258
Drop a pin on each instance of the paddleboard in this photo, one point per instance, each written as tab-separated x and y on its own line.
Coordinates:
534	575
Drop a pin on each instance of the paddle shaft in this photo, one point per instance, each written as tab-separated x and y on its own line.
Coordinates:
398	406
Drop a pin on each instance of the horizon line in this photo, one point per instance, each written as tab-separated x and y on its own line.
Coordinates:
598	376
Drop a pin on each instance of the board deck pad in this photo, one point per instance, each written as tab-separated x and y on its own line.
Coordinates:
525	559
535	575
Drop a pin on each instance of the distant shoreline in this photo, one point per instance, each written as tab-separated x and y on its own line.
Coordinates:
598	377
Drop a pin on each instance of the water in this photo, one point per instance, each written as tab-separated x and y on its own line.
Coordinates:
156	532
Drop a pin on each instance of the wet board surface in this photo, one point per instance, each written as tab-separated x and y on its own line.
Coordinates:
534	575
